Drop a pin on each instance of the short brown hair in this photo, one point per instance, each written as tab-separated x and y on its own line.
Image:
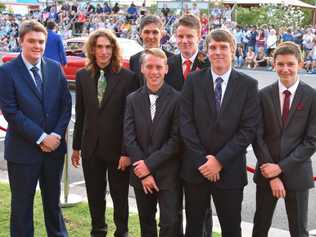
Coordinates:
190	21
89	48
155	52
31	25
150	19
221	35
288	48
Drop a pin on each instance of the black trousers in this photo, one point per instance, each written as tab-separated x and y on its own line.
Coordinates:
95	172
296	204
147	207
197	206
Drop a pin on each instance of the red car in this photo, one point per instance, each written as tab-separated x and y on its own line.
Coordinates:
75	56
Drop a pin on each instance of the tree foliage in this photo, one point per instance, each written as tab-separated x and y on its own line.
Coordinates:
2	7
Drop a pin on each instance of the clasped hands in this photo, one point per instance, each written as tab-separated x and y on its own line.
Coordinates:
272	171
148	181
50	143
211	168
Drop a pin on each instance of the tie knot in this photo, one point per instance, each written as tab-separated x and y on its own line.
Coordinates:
287	93
34	69
101	73
187	62
219	80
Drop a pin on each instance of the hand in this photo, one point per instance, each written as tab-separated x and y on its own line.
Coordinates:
277	188
124	162
270	170
51	142
211	168
140	169
75	158
149	185
44	148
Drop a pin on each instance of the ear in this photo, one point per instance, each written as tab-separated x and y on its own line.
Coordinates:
167	68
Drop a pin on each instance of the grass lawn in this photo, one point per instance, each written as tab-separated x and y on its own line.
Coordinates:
77	218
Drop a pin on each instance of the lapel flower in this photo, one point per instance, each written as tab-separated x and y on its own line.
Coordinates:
300	106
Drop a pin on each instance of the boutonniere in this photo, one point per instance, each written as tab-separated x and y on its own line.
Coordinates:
300	106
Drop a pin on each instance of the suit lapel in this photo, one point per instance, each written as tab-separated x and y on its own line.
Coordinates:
113	81
208	88
45	78
144	104
276	102
27	77
296	100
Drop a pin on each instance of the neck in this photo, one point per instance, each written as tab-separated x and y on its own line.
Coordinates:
154	89
220	71
103	65
188	55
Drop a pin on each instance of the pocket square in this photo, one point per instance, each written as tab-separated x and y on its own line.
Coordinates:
300	106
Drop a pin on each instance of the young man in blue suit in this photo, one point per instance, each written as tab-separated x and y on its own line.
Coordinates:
54	48
36	103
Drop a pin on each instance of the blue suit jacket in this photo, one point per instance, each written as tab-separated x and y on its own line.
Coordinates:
54	48
28	114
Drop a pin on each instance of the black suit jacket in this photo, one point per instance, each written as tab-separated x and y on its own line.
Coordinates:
175	74
291	146
134	65
155	142
101	126
225	135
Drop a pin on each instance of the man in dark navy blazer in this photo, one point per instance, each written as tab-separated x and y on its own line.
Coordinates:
285	142
35	101
54	48
151	32
218	120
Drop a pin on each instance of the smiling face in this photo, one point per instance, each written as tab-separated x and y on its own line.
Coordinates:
154	69
220	54
33	46
187	40
151	35
103	51
287	67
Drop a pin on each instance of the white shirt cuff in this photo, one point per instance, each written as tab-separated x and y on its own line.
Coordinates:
42	137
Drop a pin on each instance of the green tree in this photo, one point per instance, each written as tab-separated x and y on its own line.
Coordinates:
2	7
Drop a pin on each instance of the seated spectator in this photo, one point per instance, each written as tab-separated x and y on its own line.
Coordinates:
250	58
116	8
239	56
132	13
261	59
288	36
106	8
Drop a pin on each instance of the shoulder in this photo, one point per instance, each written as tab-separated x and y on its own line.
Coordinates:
308	90
200	73
136	56
243	78
126	73
173	59
267	90
132	96
51	63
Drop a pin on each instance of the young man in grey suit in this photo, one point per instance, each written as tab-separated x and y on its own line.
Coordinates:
218	120
285	143
151	139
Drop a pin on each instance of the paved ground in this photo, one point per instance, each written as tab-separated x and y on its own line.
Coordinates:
264	78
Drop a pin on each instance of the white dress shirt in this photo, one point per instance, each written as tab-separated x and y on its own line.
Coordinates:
292	89
225	78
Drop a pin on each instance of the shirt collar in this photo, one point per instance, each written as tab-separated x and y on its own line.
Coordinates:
225	76
158	93
191	59
292	89
28	65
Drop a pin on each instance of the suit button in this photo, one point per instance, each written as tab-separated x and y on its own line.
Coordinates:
46	115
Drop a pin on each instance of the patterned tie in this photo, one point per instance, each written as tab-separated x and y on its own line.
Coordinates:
153	98
286	106
38	80
187	68
218	93
102	84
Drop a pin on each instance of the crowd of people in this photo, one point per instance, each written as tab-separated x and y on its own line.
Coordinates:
256	44
173	126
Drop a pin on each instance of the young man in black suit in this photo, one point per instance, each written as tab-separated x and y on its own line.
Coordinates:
285	143
151	31
218	120
151	139
188	36
101	91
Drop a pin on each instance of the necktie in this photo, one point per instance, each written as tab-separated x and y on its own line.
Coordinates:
153	98
286	106
218	93
102	84
38	80
187	68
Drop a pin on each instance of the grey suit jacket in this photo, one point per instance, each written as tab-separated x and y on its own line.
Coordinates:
292	145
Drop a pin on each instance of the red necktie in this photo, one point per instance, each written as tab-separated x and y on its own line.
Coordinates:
187	68
286	106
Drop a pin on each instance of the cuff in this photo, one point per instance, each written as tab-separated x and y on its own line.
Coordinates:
41	138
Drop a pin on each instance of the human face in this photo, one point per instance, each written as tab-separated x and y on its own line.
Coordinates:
103	51
154	70
287	66
220	54
151	35
187	40
33	46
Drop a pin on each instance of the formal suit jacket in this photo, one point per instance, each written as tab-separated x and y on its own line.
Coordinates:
226	134
292	145
135	66
54	48
175	74
29	114
102	126
155	142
